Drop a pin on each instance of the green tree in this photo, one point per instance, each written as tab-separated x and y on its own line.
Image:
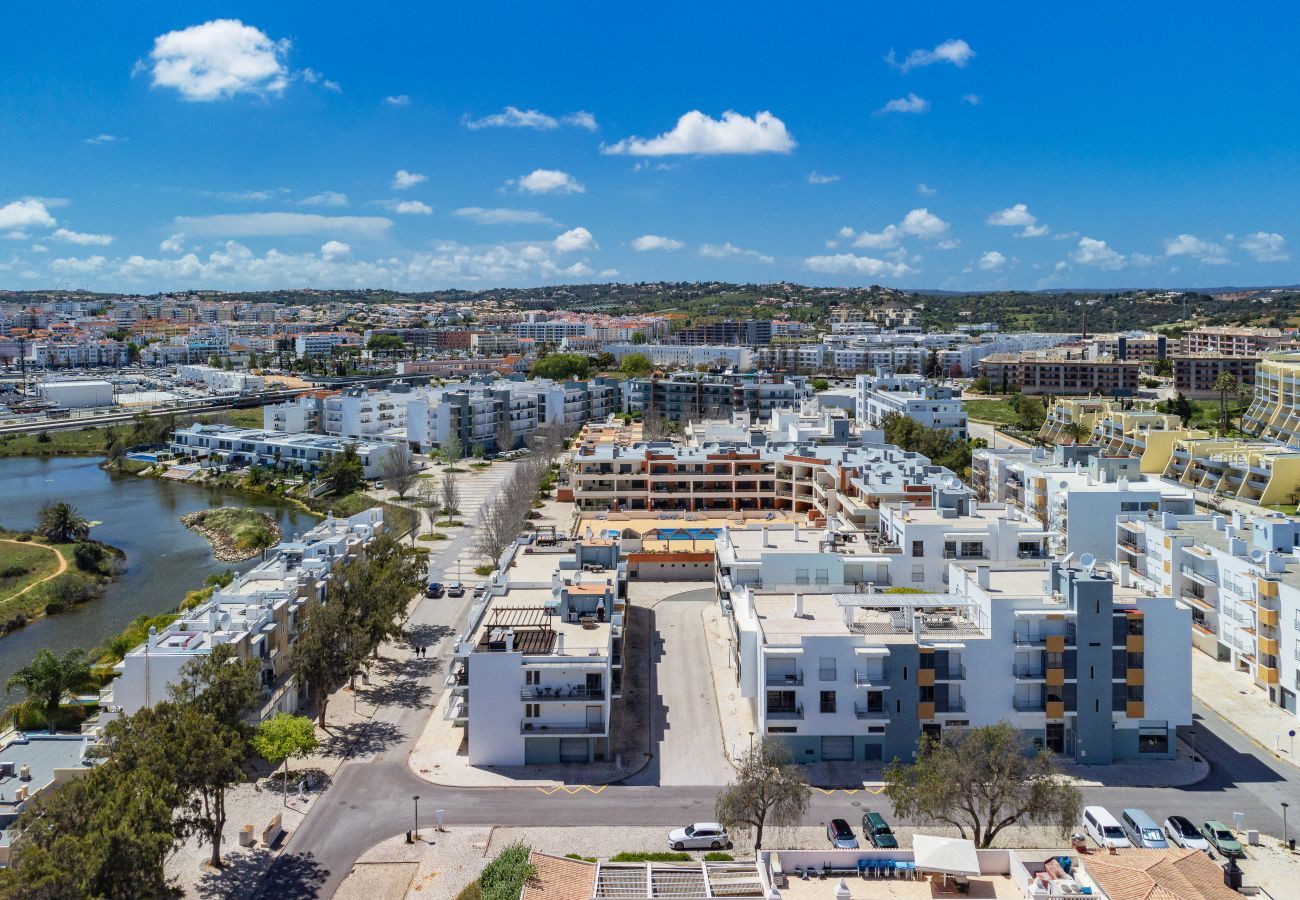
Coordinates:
61	523
385	343
820	384
561	366
769	790
636	365
1030	413
220	684
1225	384
1075	431
48	677
981	385
282	737
322	657
452	450
981	781
639	338
343	471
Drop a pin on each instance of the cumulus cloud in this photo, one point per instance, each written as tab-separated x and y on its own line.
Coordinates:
1204	251
1265	246
1094	252
173	244
656	242
1018	216
924	224
925	190
909	104
991	261
696	133
723	251
325	198
311	76
104	139
954	51
581	119
874	240
575	239
409	207
217	60
81	238
333	249
548	181
503	216
28	212
404	179
398	100
514	117
818	178
71	265
282	223
919	223
849	264
972	99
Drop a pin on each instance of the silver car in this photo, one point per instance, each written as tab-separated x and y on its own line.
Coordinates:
700	836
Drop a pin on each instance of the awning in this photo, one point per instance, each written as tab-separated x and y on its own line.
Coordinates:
952	856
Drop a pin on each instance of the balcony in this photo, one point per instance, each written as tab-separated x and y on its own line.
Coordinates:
954	673
863	712
786	712
1028	704
778	679
533	726
562	693
954	705
1029	673
870	679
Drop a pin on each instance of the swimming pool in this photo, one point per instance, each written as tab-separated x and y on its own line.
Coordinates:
683	534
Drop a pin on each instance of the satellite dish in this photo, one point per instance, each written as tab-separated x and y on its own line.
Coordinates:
1065	560
1257	555
1088	562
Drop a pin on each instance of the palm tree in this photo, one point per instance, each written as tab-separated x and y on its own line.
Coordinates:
48	677
61	523
1075	431
1225	384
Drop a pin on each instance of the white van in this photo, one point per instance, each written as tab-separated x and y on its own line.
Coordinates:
1103	828
1142	829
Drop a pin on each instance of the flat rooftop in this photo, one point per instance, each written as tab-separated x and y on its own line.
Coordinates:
43	753
648	521
825	615
532	613
749	542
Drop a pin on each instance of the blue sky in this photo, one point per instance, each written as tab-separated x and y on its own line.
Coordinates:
409	146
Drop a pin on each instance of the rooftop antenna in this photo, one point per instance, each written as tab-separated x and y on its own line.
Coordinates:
1088	563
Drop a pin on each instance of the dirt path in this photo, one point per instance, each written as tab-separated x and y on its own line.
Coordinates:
63	566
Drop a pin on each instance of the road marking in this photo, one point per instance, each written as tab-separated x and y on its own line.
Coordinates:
576	789
877	789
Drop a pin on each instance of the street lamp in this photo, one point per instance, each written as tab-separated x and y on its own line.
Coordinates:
751	742
416	832
1284	806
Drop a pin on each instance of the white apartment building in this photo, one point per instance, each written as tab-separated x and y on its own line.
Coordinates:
1241	578
933	405
259	614
220	381
358	412
539	661
226	445
322	343
688	356
860	675
549	331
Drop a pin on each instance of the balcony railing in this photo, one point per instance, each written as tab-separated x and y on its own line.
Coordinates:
1022	704
533	726
869	678
1029	672
571	692
954	705
954	673
779	679
785	712
863	712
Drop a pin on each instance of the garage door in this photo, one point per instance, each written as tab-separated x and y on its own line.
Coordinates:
574	750
837	748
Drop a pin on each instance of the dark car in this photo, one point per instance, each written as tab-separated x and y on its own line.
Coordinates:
841	835
434	589
878	831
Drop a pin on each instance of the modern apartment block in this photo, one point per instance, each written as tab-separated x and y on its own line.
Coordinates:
936	406
750	332
259	614
1061	372
682	397
1274	412
688	356
539	662
1059	650
221	381
323	343
227	445
1195	375
1232	341
1241	578
1255	472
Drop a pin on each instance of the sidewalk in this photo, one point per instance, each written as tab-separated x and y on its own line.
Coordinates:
1236	698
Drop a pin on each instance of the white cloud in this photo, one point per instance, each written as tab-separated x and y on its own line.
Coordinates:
878	240
609	273
972	99
1093	252
925	190
243	196
71	265
991	261
1013	216
909	104
549	181
104	139
950	244
40	248
581	119
848	264
696	133
924	224
954	51
501	216
656	242
411	208
1265	246
16	236
332	249
1204	251
219	59
398	100
404	179
575	239
282	223
28	212
174	244
1032	231
81	238
325	198
818	178
722	251
311	76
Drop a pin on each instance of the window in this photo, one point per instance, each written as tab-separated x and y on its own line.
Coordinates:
532	710
826	668
918	573
823	576
532	677
800	576
918	549
828	701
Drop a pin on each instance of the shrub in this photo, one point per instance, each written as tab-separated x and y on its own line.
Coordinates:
434	536
43	437
68	589
658	856
718	856
23	538
504	877
580	858
484	571
89	557
13	571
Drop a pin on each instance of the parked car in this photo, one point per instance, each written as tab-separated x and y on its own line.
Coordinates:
877	831
434	590
455	589
379	485
841	835
1183	832
1142	830
700	836
1104	828
1222	839
479	590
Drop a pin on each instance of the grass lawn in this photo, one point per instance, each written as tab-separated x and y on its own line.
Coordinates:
71	442
997	411
244	529
244	418
22	565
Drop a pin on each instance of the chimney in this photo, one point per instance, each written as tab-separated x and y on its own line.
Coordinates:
153	637
982	576
765	543
559	643
798	606
510	640
796	531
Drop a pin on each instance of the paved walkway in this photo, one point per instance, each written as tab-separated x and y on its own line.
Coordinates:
1236	697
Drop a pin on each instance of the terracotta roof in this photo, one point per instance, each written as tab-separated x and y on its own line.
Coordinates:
1172	874
558	878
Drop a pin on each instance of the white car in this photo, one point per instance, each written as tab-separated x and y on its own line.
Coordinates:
700	836
1183	832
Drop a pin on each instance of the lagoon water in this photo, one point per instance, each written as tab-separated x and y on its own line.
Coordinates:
141	516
